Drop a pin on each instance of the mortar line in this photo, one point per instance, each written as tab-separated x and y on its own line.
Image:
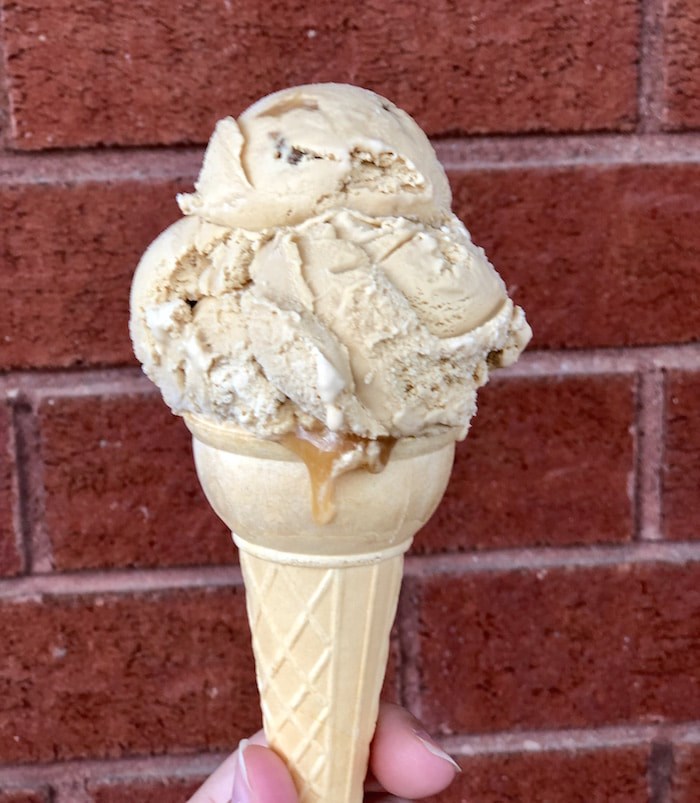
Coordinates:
660	771
534	741
18	495
69	167
70	791
5	117
460	745
544	558
30	487
101	581
122	769
396	654
59	383
409	650
120	581
650	451
172	163
651	66
86	382
567	151
629	360
634	482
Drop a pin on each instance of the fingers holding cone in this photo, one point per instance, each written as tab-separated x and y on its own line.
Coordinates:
404	760
252	774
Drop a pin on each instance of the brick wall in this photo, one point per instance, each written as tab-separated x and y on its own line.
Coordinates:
549	629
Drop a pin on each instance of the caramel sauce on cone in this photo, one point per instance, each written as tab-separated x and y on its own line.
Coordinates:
327	455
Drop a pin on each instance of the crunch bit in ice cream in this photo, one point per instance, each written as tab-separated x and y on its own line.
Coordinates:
319	285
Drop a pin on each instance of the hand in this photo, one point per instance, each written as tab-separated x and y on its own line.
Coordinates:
403	759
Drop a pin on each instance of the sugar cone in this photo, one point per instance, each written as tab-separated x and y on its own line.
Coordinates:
321	598
320	637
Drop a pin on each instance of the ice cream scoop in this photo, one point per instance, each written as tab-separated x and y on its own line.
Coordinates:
322	282
323	322
302	151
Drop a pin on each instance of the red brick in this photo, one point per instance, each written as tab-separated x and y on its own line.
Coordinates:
170	790
547	462
682	64
116	675
8	795
614	775
554	648
121	488
67	254
598	256
686	774
10	556
156	72
681	470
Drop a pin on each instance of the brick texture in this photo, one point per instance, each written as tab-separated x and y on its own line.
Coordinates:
507	490
68	253
24	795
681	471
603	256
587	776
106	661
121	489
686	774
115	675
173	790
560	648
682	64
10	557
155	72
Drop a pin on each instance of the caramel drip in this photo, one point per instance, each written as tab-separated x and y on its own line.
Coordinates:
329	454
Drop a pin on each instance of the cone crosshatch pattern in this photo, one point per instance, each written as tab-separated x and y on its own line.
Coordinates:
309	629
321	640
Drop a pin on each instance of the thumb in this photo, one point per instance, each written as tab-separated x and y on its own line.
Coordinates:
261	776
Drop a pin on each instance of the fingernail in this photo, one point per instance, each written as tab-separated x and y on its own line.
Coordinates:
425	739
242	793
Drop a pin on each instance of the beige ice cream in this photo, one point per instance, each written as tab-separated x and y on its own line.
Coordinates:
319	279
303	151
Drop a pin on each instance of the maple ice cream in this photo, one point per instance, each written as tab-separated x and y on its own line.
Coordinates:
319	279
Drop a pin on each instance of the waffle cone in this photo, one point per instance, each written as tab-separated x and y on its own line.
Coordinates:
321	599
320	638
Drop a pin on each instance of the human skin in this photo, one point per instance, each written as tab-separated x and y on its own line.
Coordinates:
403	761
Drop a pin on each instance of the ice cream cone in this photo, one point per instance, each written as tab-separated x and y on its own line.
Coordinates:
321	299
321	597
